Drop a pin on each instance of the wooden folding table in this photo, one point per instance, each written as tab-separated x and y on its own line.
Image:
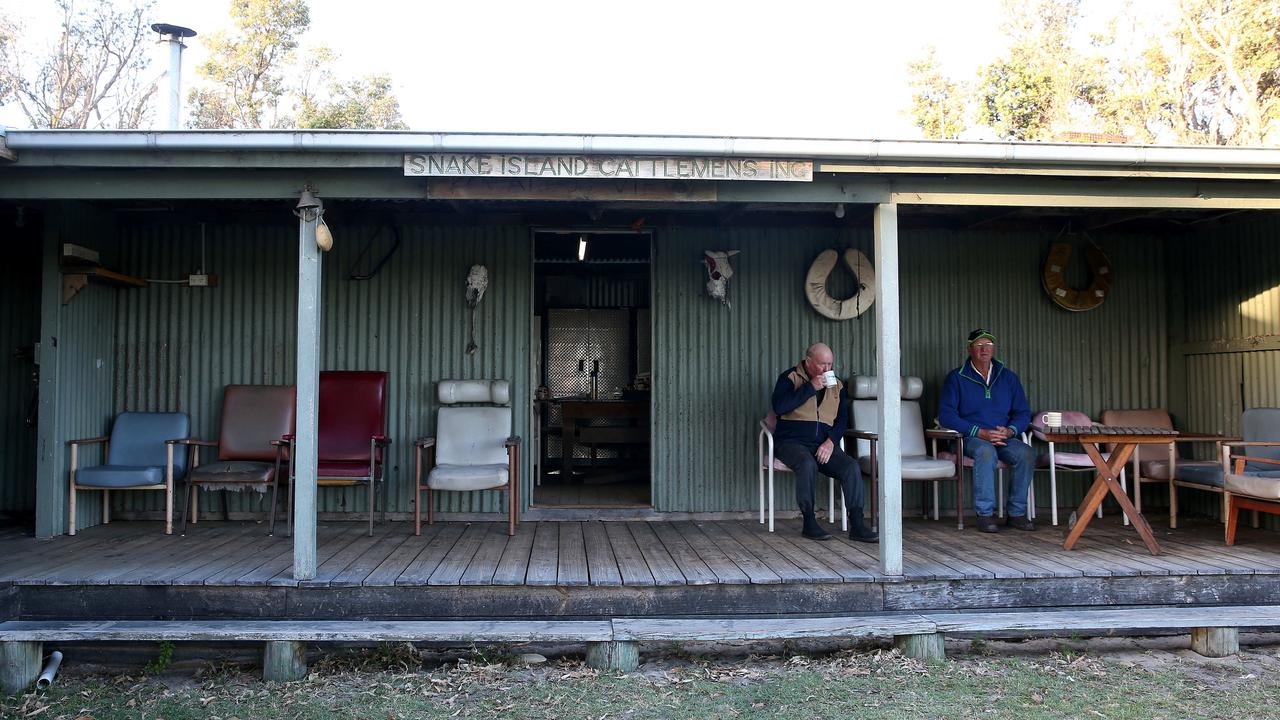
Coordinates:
1124	440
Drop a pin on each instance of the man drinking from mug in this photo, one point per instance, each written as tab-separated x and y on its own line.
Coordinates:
813	411
984	401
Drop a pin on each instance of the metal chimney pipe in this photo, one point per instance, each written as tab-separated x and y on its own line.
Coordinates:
173	34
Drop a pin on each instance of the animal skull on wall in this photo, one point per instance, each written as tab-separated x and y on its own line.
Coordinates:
718	273
477	283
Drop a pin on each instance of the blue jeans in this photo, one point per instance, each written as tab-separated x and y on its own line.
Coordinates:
1017	455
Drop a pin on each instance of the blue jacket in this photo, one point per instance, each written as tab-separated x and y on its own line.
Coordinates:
969	405
801	419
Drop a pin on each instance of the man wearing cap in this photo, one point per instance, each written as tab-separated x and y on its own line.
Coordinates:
984	401
813	412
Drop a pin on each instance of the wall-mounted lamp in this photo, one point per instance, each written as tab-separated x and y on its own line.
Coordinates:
840	210
582	248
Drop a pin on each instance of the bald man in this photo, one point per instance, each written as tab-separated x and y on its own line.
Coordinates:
812	417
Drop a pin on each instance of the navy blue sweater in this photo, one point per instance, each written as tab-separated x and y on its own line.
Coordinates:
787	397
969	404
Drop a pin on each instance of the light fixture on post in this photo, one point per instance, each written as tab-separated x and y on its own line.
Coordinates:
582	248
840	210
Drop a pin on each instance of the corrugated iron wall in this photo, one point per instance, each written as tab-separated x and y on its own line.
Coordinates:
714	367
180	346
1229	290
19	329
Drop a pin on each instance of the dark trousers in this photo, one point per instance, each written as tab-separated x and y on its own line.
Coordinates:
806	468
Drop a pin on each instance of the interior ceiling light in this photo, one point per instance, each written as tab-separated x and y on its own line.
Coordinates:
582	248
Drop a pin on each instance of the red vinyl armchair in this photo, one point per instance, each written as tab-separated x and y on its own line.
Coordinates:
353	433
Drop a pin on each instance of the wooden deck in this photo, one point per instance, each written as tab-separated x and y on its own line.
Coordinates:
589	569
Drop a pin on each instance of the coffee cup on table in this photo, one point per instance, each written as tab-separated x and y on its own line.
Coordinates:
1051	419
829	378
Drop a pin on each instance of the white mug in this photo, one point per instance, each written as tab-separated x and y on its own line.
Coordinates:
829	378
1051	419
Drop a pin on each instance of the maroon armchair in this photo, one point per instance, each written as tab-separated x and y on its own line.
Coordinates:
352	433
256	422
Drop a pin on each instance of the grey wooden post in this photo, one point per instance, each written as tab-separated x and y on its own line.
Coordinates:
621	655
928	646
889	368
19	665
308	389
1215	642
284	660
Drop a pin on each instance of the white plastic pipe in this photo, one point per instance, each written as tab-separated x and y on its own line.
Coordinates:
50	671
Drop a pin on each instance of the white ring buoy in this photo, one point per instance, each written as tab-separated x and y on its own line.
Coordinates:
1054	280
815	285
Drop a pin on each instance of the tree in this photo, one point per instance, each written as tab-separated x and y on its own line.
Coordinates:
95	76
246	70
367	103
937	103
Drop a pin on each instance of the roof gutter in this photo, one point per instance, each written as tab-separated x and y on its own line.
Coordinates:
870	151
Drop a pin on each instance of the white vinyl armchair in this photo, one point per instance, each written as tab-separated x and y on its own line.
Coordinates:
473	448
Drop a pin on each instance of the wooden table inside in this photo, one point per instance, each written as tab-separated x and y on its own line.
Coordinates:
573	411
1124	440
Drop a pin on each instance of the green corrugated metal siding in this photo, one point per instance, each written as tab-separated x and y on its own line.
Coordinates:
19	328
714	366
1230	290
180	346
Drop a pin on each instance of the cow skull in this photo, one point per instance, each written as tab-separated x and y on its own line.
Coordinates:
718	273
477	283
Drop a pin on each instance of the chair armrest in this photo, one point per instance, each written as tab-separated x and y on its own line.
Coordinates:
425	442
382	440
88	441
861	434
192	441
1242	459
942	434
513	441
1252	443
283	442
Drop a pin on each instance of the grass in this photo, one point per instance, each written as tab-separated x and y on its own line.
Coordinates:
394	682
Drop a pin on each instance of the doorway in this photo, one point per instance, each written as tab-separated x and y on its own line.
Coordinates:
592	369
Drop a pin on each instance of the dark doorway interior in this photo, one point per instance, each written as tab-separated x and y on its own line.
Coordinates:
592	360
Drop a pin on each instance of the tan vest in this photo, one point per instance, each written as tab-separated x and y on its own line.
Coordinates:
811	411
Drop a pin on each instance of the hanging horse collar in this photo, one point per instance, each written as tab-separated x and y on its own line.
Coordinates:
1055	282
815	284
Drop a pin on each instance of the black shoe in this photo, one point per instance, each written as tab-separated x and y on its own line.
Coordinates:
813	530
1021	522
858	531
987	524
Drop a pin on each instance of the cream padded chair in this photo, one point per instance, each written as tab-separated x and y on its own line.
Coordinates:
917	464
474	448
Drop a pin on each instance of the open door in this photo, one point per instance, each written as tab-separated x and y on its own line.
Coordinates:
592	360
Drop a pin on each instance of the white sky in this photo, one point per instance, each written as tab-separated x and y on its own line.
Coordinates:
795	68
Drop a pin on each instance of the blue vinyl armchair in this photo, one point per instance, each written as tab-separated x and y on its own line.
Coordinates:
138	451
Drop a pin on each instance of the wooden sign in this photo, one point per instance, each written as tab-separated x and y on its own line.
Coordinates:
580	190
607	167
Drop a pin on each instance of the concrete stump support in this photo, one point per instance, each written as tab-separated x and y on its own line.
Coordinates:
921	647
613	655
19	665
284	660
1215	642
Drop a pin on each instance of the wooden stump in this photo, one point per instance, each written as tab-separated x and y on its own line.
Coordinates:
611	655
921	647
19	665
284	660
1215	642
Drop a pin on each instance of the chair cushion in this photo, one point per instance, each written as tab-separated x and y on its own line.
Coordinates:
353	409
1159	469
472	435
1200	473
866	416
342	469
467	477
777	464
868	386
950	457
1266	488
1154	418
1261	425
497	392
138	440
918	467
120	476
253	416
1070	460
234	472
1070	418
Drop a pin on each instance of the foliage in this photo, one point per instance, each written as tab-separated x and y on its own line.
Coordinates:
162	661
93	77
245	70
1207	74
326	103
937	105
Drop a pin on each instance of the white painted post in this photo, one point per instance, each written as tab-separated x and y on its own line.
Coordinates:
308	386
889	368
